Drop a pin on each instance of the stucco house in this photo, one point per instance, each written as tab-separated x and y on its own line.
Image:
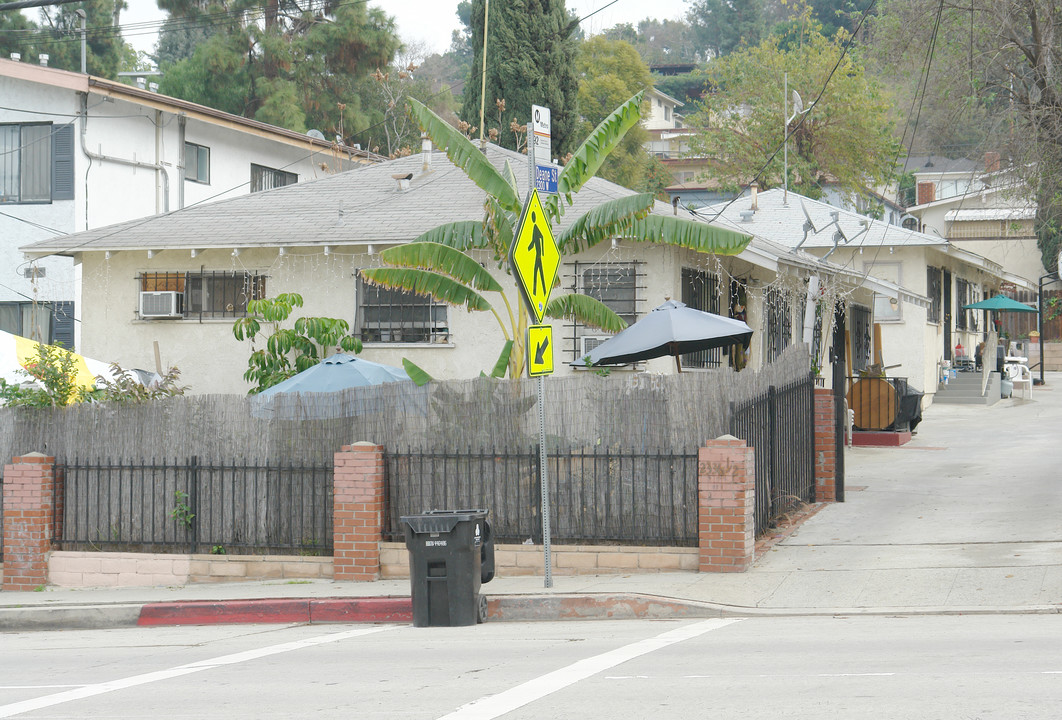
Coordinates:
180	279
79	152
919	329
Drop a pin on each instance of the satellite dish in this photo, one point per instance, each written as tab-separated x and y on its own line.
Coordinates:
315	134
798	104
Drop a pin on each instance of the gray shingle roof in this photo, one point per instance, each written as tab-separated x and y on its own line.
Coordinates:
356	207
784	224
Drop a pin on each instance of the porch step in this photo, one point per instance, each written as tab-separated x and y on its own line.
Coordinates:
965	389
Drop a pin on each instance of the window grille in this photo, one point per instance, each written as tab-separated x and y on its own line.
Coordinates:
616	285
934	286
398	316
264	178
861	339
700	291
779	325
962	298
208	294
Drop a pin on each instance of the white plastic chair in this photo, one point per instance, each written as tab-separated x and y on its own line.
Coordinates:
1021	378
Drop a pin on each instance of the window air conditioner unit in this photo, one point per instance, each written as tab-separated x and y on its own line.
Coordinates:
589	342
162	304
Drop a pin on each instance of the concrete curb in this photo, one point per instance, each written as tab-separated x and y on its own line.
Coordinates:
392	609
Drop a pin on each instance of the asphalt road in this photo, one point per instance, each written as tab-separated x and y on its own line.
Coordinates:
975	667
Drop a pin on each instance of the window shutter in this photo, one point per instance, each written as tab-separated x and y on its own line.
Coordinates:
63	163
63	324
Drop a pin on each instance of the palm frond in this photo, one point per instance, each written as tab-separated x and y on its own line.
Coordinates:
417	374
602	141
608	220
461	235
585	310
698	236
464	154
424	282
503	360
444	260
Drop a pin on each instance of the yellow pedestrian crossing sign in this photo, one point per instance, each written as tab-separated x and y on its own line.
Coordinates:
534	257
540	350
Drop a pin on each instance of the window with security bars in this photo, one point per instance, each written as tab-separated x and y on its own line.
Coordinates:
962	298
198	294
934	285
615	285
265	178
398	316
779	323
700	291
861	339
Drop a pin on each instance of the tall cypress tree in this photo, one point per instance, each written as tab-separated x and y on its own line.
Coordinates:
531	51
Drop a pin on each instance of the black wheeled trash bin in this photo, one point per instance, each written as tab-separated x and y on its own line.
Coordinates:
451	553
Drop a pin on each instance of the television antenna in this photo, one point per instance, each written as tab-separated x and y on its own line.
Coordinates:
798	110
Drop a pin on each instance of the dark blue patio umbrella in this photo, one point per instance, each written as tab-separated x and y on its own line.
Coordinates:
338	372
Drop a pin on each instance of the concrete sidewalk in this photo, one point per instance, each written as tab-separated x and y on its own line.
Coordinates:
964	519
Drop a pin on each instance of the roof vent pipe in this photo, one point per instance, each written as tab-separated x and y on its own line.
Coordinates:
755	188
425	151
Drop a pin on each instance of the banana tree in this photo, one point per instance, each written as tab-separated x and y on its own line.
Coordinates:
438	263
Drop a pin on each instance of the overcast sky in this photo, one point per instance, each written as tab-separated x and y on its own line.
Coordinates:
431	21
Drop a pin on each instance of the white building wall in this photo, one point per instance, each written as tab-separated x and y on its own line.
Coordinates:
212	361
114	190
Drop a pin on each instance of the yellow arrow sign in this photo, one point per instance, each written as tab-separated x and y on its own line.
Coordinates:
540	350
534	257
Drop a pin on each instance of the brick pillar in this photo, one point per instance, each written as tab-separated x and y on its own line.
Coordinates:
29	485
825	446
358	512
726	478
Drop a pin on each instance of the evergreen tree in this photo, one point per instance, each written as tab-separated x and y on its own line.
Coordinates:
531	51
60	37
282	64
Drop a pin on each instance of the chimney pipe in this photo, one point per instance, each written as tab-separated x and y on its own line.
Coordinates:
755	188
425	151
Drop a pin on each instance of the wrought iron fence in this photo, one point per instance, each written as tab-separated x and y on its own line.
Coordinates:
167	506
779	425
597	496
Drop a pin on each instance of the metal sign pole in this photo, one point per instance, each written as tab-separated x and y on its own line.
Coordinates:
543	469
544	479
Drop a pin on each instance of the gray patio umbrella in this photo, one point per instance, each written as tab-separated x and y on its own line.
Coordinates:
671	329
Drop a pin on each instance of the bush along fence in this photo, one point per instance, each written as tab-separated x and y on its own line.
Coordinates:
708	502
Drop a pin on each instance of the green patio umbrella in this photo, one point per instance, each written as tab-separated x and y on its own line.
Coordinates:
1000	303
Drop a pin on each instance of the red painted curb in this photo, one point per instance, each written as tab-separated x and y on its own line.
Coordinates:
297	610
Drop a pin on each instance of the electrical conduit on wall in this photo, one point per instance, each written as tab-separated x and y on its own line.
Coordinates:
156	166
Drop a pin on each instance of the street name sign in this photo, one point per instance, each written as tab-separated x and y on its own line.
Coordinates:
534	257
546	178
539	350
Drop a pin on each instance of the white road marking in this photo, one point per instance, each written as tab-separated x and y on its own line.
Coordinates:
86	691
492	706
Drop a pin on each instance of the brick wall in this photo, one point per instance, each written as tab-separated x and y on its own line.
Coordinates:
358	512
825	446
29	484
726	478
